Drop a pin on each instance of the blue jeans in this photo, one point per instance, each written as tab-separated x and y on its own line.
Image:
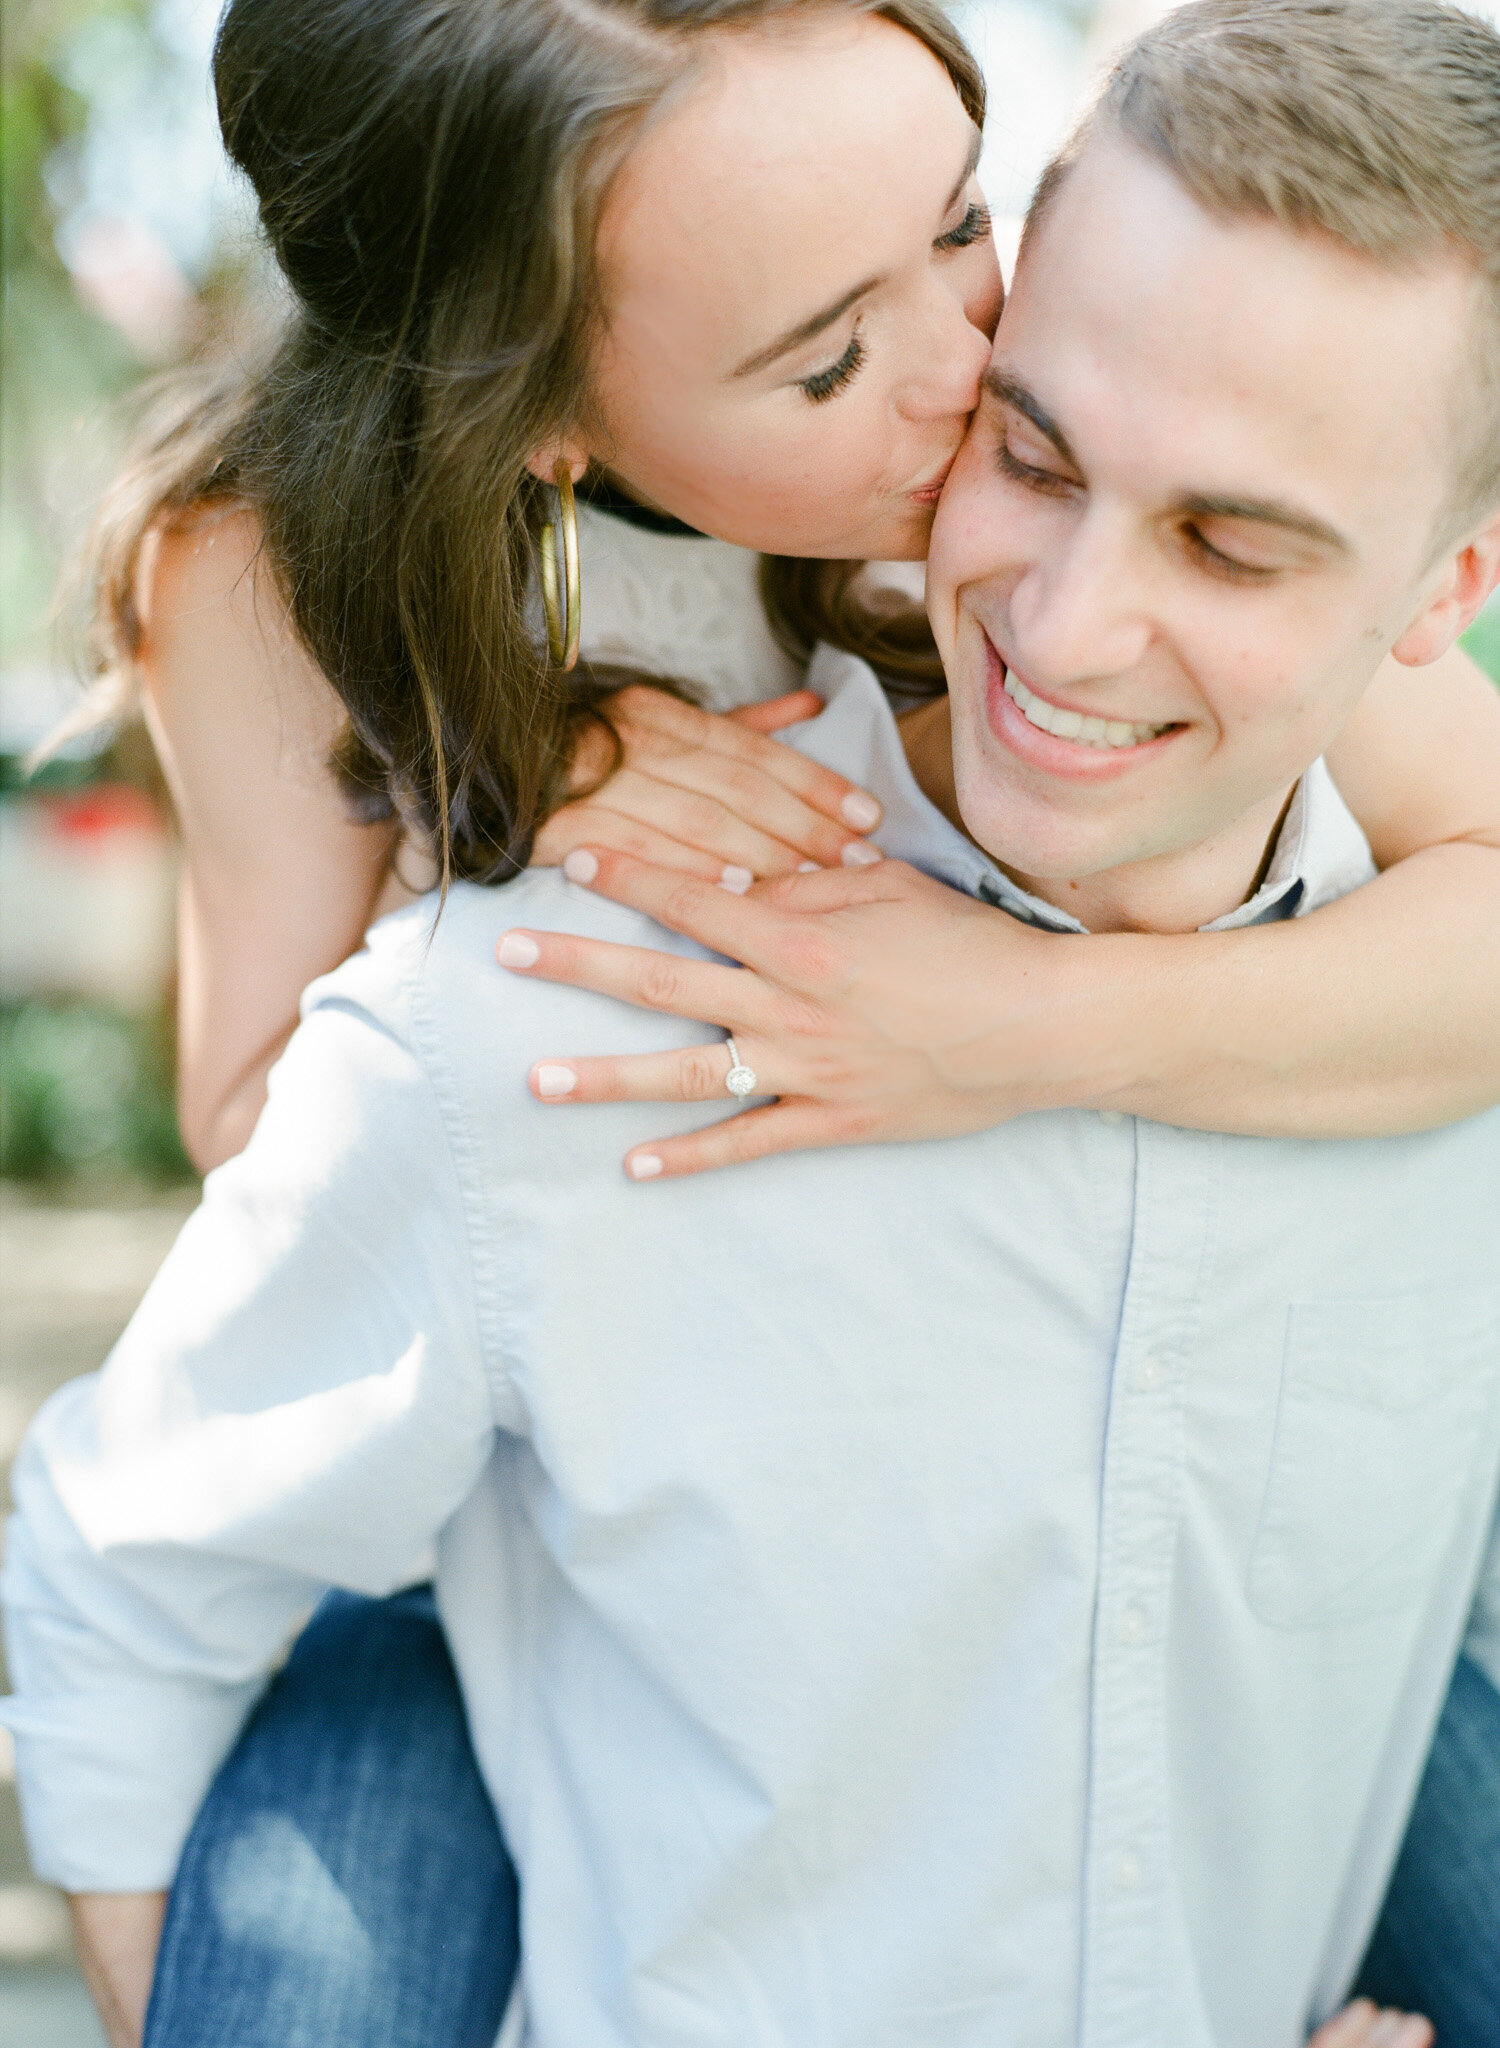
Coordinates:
1436	1949
345	1884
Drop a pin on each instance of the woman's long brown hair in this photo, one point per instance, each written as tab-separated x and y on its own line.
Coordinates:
430	176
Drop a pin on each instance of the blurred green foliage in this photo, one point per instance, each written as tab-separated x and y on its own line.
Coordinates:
1483	640
63	365
86	1094
104	109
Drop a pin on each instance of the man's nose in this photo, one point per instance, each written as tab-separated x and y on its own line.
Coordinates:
1082	610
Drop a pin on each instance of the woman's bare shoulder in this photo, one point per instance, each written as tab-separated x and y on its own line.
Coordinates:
221	663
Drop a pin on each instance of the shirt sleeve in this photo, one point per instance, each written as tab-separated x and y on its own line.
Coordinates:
301	1400
1482	1642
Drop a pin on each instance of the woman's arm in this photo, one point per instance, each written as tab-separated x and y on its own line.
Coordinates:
279	883
1381	1012
880	1005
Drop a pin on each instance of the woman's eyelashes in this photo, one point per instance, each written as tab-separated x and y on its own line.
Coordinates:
974	226
825	383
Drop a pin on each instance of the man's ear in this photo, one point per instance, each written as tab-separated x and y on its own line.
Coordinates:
543	464
1466	582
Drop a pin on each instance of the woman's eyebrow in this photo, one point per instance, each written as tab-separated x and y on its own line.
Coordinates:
971	165
803	331
807	330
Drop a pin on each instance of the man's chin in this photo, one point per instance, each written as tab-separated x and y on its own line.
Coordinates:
1036	842
1049	830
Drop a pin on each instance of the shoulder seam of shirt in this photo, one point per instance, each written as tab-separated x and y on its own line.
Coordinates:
484	1288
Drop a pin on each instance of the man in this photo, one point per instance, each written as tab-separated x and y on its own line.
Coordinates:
986	1592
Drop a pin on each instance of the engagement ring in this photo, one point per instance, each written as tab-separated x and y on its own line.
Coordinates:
740	1080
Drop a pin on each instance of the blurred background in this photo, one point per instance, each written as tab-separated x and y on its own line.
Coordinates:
128	249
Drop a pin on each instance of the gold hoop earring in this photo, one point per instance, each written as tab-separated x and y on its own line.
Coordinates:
559	545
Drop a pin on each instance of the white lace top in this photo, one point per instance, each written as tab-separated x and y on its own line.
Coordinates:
679	607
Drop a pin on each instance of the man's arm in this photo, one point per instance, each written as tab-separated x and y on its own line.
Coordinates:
301	1400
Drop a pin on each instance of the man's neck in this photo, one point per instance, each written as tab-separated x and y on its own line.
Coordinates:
1176	892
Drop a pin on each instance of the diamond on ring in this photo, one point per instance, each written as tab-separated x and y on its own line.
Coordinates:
740	1080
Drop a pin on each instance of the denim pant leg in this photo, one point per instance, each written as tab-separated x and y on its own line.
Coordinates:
345	1884
1436	1947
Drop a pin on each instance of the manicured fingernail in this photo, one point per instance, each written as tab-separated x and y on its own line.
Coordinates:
736	880
643	1166
580	865
516	950
859	853
555	1080
807	867
860	811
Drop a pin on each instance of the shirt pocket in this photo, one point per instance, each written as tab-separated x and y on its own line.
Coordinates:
1381	1401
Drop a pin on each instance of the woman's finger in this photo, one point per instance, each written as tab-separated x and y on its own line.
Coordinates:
796	1125
694	730
580	824
730	810
794	951
718	836
754	798
701	989
690	1073
778	712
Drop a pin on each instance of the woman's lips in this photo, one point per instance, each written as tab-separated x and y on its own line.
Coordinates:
928	494
1076	759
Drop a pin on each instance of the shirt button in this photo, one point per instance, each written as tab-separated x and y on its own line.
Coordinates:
1111	1116
1149	1374
1132	1624
1130	1872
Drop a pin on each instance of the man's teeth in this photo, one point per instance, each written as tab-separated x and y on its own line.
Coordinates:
1072	725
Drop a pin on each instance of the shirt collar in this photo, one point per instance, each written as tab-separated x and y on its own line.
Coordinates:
1320	851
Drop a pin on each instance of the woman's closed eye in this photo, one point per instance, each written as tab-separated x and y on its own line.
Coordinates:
826	383
974	226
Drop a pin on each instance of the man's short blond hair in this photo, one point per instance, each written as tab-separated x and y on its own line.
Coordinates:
1376	122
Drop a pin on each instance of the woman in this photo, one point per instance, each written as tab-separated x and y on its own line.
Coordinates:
391	452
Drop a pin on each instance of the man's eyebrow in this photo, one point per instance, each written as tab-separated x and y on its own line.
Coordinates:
806	330
1269	512
1197	504
1006	391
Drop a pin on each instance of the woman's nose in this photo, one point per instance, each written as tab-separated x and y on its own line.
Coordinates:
951	357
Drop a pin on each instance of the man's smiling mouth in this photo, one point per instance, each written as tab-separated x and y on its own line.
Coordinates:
1088	731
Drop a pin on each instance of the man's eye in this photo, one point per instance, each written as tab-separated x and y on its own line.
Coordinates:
1228	566
827	382
974	226
1030	474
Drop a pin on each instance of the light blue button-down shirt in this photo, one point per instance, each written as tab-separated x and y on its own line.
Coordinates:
955	1595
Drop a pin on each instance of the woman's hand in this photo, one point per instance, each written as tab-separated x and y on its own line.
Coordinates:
867	1003
711	795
